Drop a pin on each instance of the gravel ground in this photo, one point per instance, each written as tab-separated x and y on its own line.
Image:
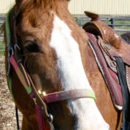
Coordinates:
7	107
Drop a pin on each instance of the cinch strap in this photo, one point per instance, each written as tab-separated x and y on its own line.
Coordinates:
126	95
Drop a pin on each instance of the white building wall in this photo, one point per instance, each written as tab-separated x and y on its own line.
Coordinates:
106	7
5	5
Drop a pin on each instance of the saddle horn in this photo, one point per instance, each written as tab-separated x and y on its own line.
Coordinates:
93	16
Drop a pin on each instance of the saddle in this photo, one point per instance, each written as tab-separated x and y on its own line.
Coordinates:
112	54
109	45
113	43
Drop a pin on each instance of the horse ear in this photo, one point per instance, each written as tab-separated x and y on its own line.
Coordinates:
18	1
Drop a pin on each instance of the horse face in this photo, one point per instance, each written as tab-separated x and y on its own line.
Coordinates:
54	50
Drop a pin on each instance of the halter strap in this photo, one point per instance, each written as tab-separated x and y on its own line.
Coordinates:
41	100
51	97
70	94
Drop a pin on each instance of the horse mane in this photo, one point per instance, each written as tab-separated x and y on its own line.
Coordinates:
33	4
32	9
39	4
39	8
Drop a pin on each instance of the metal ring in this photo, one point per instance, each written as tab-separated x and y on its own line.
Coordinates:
50	118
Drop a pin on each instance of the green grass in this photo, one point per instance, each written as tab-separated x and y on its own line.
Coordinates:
122	22
1	53
2	47
1	44
119	22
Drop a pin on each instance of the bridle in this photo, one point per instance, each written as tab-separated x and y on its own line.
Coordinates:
41	99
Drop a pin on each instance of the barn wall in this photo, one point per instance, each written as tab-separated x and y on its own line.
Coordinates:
107	7
5	5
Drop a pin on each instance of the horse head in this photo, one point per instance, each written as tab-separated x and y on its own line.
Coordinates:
53	52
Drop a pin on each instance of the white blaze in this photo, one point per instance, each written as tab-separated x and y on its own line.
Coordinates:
72	75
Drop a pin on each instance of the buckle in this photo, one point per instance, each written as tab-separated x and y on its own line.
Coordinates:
18	55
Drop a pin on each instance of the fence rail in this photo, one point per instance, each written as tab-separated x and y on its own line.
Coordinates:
120	24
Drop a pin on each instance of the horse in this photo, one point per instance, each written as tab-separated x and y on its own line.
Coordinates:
52	51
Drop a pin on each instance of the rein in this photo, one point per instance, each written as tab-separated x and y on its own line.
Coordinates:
41	99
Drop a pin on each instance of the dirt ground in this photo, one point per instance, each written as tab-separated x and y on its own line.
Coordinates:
7	107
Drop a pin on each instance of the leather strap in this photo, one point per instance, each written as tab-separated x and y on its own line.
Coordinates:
21	73
70	94
109	79
126	95
29	86
128	76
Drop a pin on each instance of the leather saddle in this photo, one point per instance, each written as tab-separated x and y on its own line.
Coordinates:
113	43
111	46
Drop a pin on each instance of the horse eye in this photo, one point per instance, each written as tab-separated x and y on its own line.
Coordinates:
33	47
